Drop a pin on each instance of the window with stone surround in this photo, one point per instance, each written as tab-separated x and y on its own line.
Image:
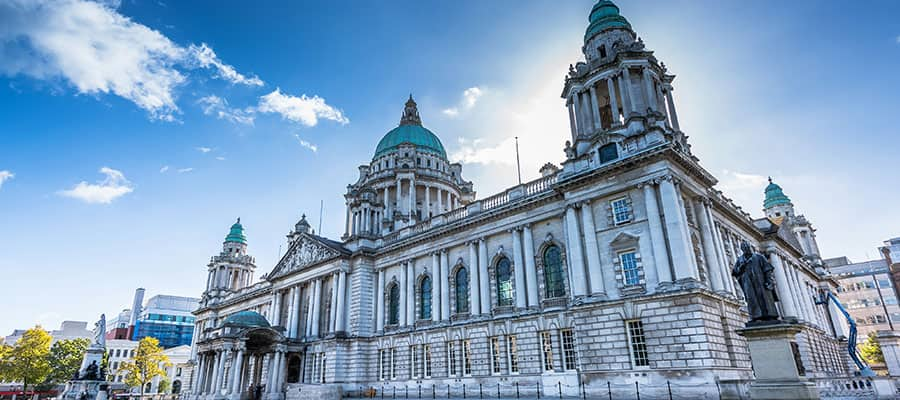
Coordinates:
467	357
451	359
621	210
393	304
554	280
414	371
512	354
637	343
462	291
495	355
504	283
630	270
393	363
382	364
547	350
322	370
568	348
426	360
425	298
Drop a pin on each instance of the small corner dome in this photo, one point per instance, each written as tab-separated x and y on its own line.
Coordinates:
246	319
236	234
604	15
412	132
775	195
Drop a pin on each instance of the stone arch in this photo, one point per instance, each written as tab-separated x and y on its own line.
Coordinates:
421	296
392	302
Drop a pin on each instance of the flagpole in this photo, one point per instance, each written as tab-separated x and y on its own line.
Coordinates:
518	165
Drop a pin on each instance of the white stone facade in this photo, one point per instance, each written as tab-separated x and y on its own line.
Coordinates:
615	267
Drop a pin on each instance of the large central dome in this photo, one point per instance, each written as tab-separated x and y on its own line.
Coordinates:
412	132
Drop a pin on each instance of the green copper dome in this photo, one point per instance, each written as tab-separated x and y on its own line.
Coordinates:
775	196
236	234
410	131
247	319
604	15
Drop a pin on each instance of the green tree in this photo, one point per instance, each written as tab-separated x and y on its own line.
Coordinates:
871	350
65	358
148	362
29	361
5	351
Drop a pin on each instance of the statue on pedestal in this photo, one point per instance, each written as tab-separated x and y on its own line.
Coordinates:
755	275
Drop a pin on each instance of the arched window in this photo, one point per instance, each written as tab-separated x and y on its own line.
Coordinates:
504	283
554	284
462	291
425	298
394	305
176	387
602	51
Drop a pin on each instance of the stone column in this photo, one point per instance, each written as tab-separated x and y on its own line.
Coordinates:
440	201
332	313
219	372
412	199
586	112
347	221
595	108
411	290
399	195
672	116
530	269
474	279
627	83
661	269
675	222
435	287
595	269
289	324
648	87
484	280
317	307
342	295
309	310
404	282
234	386
794	289
445	285
576	262
379	299
387	202
613	102
518	269
427	213
454	201
782	286
723	260
197	378
572	126
709	248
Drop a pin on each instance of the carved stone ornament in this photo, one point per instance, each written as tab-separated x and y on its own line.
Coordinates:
305	251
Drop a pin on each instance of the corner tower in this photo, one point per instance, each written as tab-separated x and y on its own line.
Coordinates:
780	210
619	97
233	268
410	180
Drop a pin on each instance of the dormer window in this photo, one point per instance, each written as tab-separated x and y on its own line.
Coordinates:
602	51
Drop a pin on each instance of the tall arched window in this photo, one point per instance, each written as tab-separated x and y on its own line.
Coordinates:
394	305
504	283
425	299
462	291
554	285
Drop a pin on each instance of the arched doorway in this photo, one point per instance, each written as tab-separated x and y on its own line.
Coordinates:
176	387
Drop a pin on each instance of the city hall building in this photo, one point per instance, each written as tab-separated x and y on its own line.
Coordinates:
614	266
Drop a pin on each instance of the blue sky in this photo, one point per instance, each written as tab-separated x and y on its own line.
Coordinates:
127	148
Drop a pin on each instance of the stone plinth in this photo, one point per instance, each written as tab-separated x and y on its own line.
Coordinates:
890	347
91	390
779	373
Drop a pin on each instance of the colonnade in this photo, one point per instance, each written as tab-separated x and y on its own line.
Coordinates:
223	276
368	217
651	94
230	370
313	290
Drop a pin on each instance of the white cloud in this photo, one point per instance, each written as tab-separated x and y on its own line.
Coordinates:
207	58
164	169
475	151
6	175
184	170
204	150
470	97
304	110
96	50
103	192
898	39
312	147
214	105
220	158
732	180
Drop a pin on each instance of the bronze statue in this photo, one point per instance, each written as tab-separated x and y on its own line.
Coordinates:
754	274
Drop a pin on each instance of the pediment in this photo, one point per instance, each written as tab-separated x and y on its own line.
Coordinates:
307	250
624	239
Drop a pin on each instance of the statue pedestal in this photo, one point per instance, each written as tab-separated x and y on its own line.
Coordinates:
90	390
779	372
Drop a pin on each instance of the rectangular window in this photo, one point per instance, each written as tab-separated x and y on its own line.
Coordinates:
393	363
382	363
568	347
630	268
495	355
637	343
621	211
413	362
512	354
451	359
547	350
467	357
322	380
426	359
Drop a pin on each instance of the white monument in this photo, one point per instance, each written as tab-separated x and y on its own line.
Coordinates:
90	382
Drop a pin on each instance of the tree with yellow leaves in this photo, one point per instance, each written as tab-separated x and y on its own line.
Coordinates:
28	360
148	362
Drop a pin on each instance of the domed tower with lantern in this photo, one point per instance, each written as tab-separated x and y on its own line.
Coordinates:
233	268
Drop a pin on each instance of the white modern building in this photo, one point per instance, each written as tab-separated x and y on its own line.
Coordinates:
67	330
614	266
